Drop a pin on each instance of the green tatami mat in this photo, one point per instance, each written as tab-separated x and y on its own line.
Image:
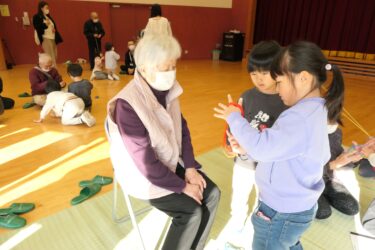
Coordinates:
90	225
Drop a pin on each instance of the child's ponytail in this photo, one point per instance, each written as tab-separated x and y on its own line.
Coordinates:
335	95
306	56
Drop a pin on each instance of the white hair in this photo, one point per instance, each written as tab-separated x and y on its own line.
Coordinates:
44	58
153	50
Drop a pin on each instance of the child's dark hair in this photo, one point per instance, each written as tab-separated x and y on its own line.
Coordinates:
306	56
108	46
155	10
262	55
74	69
52	85
41	5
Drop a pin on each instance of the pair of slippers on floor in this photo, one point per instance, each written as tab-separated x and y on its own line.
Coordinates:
90	188
28	104
9	216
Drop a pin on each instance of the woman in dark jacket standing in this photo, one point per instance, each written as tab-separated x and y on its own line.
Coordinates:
46	30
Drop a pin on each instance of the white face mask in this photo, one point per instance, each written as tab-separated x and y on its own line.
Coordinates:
164	80
332	128
132	47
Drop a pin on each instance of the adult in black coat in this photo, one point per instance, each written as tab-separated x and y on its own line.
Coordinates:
47	34
94	32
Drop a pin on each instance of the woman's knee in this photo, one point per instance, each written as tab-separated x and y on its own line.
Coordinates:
193	216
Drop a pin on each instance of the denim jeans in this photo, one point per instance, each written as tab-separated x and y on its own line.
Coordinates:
279	231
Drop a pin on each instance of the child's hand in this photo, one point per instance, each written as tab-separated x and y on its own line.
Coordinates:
236	147
345	158
223	111
40	120
369	147
62	84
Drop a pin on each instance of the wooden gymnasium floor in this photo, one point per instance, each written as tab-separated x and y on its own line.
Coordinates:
43	163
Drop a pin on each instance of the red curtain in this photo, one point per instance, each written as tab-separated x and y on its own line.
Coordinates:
343	25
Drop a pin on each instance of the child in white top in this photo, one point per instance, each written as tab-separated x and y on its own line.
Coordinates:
68	106
111	58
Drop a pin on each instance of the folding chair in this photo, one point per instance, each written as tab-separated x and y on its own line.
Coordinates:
132	214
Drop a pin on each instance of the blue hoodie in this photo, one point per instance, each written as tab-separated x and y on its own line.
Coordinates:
291	155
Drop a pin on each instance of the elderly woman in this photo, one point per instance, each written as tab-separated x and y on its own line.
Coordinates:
39	76
151	148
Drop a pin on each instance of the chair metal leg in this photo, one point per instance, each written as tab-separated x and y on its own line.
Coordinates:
132	215
114	209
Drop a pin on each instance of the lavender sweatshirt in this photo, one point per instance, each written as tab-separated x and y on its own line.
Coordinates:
137	141
291	155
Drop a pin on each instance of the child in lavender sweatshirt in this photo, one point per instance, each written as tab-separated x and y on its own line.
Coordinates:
292	153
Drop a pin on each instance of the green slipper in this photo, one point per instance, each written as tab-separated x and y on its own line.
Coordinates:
101	180
24	94
28	105
17	208
12	221
86	193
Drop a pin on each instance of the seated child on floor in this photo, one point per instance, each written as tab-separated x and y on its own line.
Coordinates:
111	58
68	106
335	194
80	87
367	164
98	72
6	102
129	66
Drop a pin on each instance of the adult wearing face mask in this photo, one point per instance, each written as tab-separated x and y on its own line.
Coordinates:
129	66
46	30
39	76
94	33
151	148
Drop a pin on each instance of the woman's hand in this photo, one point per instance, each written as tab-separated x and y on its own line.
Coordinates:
194	192
223	111
344	159
236	147
192	176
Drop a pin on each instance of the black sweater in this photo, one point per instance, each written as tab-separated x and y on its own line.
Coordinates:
90	28
129	60
40	26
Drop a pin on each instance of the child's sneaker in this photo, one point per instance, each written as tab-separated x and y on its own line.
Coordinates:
88	119
110	77
116	77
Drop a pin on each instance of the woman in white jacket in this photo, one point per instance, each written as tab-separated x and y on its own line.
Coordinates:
157	24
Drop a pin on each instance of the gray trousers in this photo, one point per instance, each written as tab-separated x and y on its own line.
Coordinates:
191	222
